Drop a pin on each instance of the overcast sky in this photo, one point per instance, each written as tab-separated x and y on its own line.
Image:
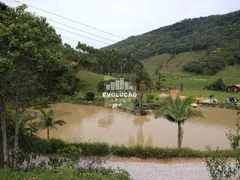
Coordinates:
122	17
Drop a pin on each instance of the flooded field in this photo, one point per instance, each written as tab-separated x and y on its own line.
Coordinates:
91	123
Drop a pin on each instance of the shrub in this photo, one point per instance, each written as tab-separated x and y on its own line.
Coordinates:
89	96
55	162
232	106
71	153
93	149
56	144
101	86
217	85
150	98
219	168
181	87
42	146
221	105
143	111
234	138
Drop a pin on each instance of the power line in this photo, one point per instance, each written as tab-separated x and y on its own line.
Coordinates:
80	35
70	20
80	30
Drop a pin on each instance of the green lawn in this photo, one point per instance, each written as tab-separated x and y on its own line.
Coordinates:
89	80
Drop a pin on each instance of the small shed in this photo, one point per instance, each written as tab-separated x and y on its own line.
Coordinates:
174	93
234	88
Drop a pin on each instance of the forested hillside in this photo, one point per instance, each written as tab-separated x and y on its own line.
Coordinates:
218	35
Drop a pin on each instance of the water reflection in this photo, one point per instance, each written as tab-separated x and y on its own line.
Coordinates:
90	123
139	122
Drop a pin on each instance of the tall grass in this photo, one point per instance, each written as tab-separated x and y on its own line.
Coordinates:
103	149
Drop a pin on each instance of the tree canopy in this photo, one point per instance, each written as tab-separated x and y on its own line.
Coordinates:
218	35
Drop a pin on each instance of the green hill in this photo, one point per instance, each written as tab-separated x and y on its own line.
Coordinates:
203	33
204	45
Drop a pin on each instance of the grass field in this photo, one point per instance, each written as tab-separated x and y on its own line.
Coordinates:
172	65
193	84
89	80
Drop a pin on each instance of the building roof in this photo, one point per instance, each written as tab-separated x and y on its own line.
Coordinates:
74	63
237	85
174	93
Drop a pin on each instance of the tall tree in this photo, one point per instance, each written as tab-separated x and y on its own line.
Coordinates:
177	111
4	69
32	64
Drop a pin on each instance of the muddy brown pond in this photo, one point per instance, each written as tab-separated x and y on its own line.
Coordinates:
91	123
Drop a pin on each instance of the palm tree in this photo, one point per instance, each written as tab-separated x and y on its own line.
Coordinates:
177	111
49	122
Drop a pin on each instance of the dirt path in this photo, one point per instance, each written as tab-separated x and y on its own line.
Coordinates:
175	169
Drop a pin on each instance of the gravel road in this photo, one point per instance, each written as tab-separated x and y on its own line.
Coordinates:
153	170
157	171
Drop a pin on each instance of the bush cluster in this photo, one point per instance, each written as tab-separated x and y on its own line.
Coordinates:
43	146
66	173
228	106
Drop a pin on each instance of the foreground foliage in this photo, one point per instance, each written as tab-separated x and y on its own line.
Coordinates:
67	164
31	66
221	169
65	173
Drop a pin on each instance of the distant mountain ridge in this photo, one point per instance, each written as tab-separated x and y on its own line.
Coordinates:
203	33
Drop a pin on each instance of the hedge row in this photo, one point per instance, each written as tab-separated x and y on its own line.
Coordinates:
43	146
228	106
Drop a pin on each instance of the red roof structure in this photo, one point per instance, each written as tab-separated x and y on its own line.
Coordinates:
74	63
174	93
237	85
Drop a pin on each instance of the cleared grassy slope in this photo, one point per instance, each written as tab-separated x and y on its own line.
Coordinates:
193	83
89	80
171	63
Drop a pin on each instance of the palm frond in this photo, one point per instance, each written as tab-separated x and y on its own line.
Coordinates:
177	110
194	114
38	124
43	112
60	122
50	113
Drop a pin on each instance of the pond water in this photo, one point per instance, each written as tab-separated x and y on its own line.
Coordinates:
91	123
